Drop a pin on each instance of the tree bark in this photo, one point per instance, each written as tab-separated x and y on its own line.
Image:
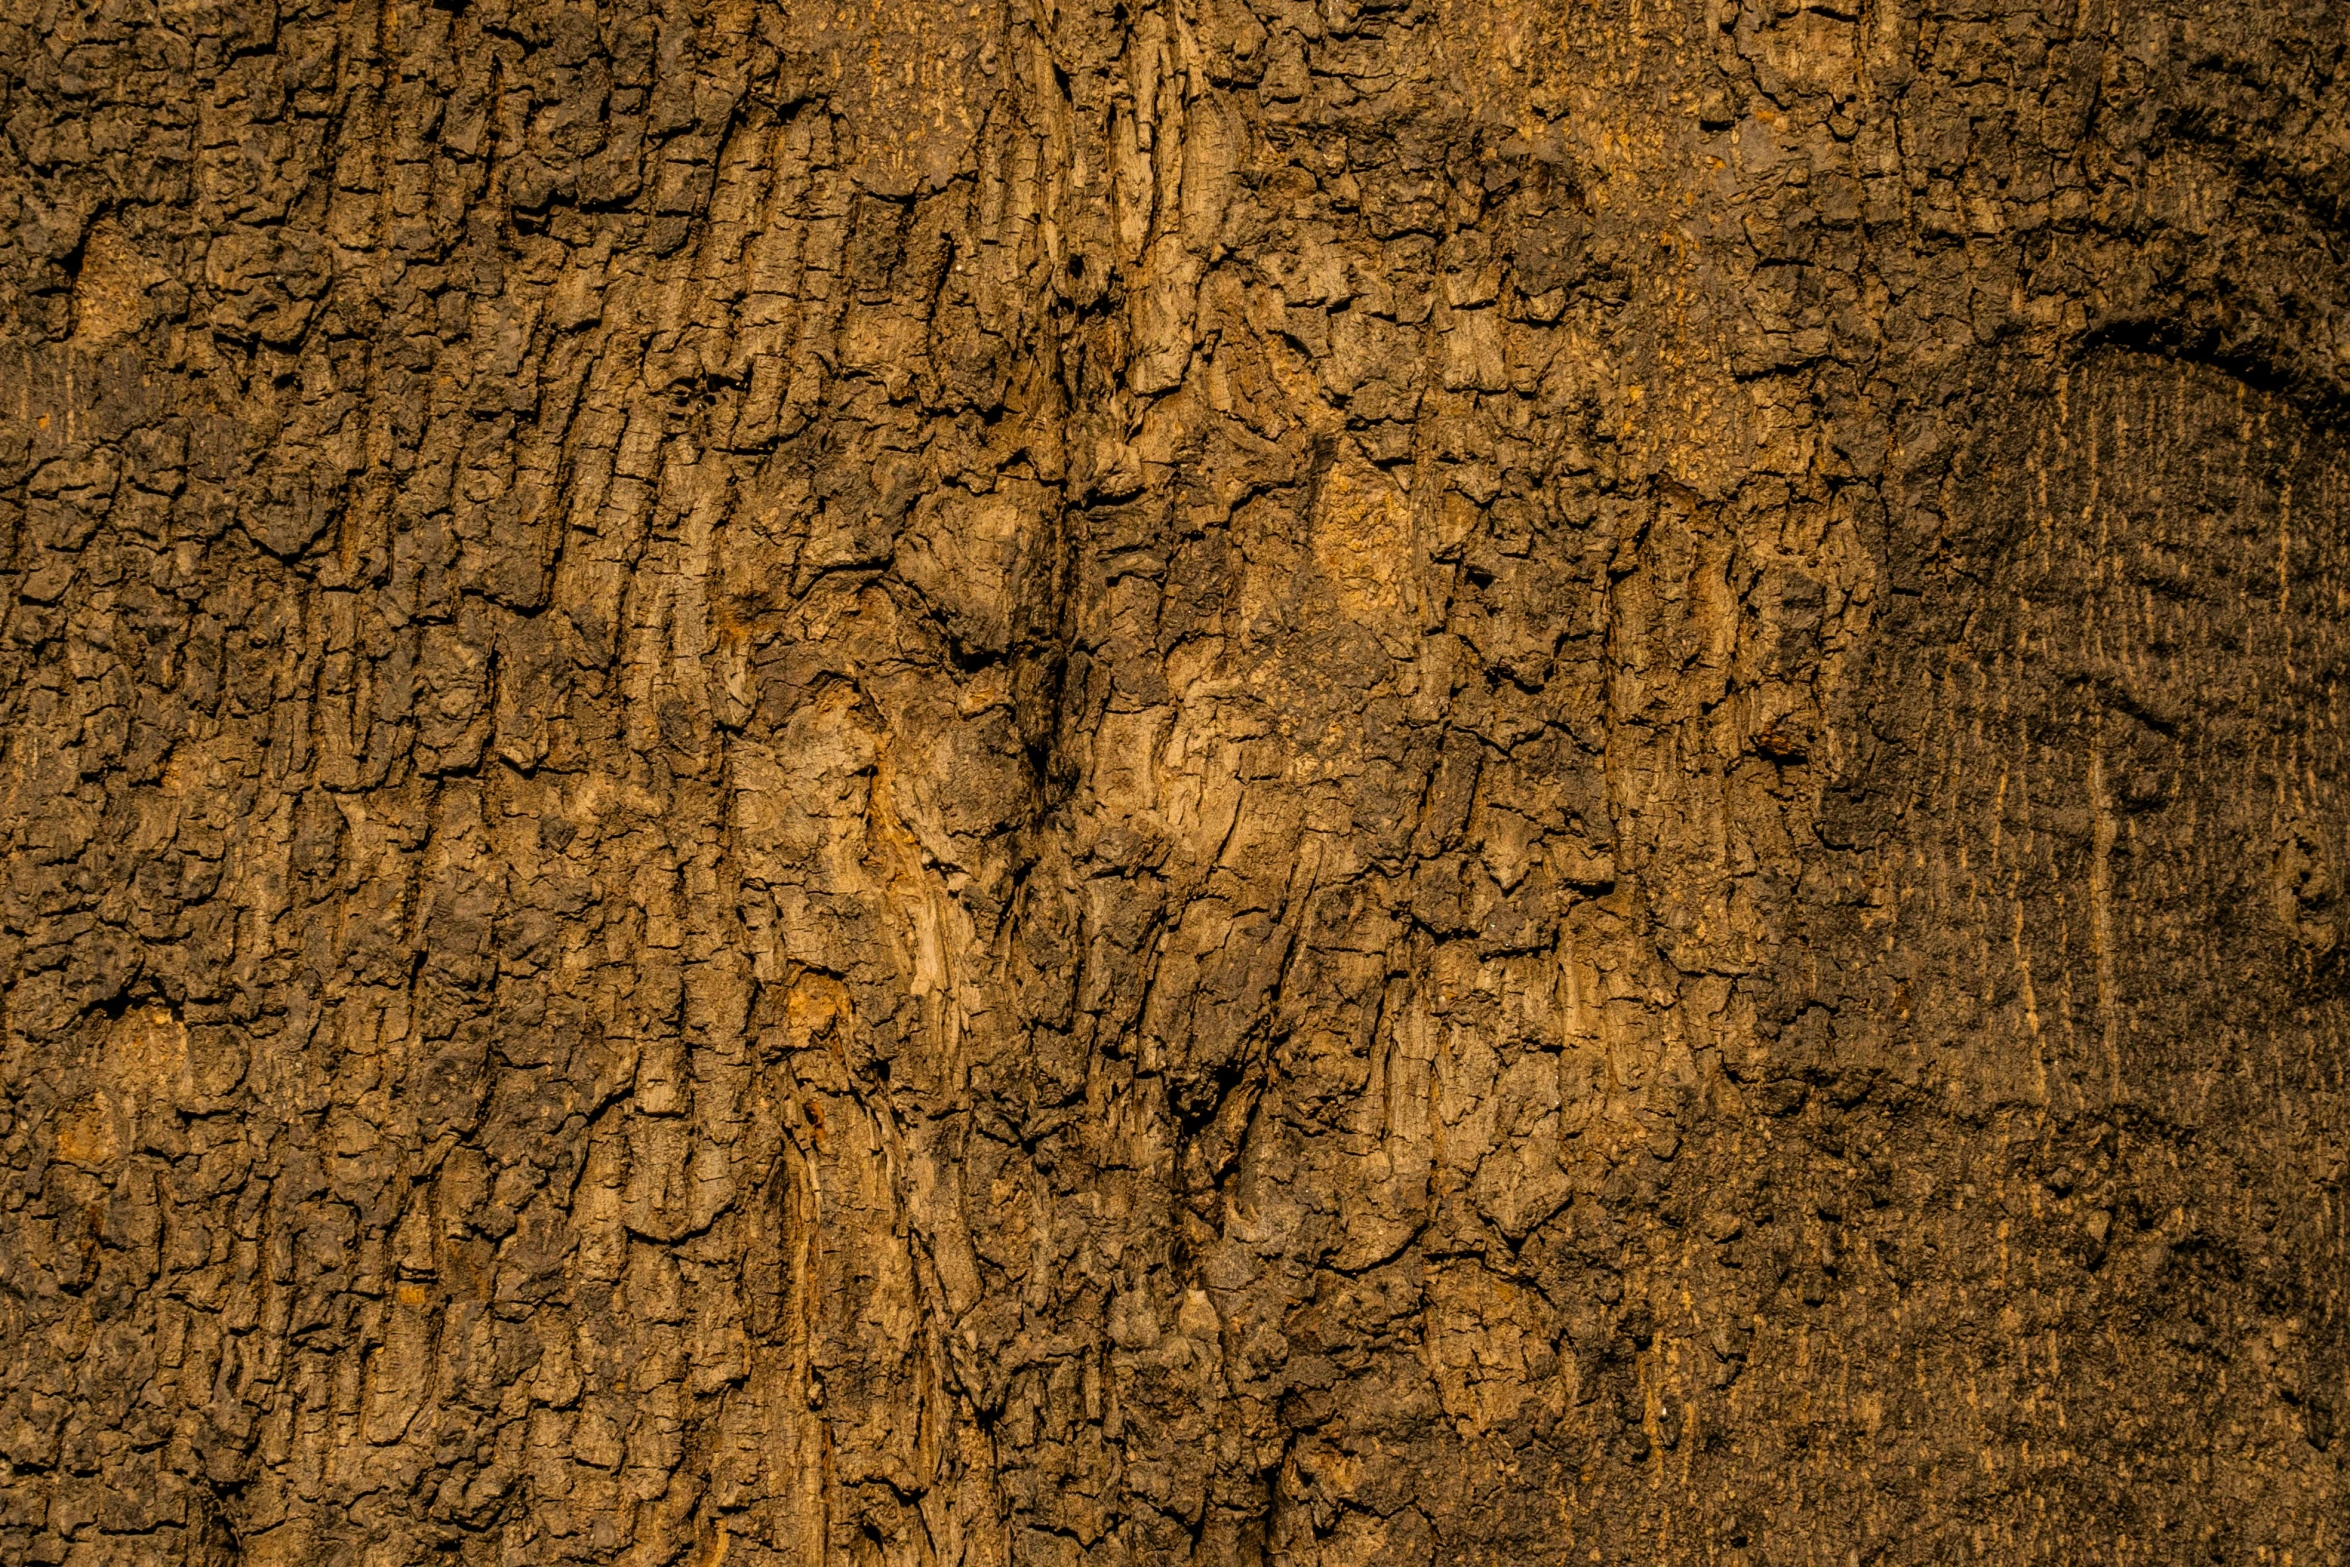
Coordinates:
1223	781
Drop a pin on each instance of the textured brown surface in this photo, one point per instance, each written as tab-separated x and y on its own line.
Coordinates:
1482	781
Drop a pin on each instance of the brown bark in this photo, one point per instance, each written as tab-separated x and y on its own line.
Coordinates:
1392	781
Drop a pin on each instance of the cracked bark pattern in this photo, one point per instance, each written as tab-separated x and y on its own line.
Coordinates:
1380	782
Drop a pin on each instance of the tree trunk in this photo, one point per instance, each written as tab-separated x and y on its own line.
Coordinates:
1224	781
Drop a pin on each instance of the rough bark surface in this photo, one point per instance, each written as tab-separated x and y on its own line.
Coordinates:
1379	782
